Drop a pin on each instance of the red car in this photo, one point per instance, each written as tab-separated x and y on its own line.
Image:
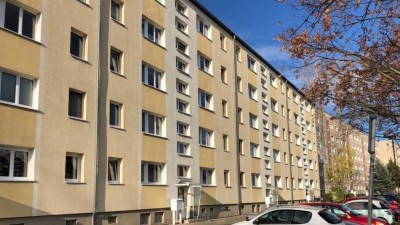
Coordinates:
393	205
346	214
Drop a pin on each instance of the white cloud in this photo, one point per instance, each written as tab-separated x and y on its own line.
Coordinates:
273	53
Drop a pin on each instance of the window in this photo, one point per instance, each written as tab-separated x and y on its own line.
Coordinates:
287	183
183	171
116	10
115	61
298	142
296	118
204	63
181	46
16	89
205	100
112	219
19	20
276	155
300	183
240	145
181	65
224	78
151	32
264	109
239	84
14	163
75	104
180	25
267	164
207	176
182	128
267	151
240	115
225	140
278	182
151	76
115	114
263	71
266	137
224	108
295	97
285	158
284	134
242	181
183	148
181	87
222	41
283	110
255	180
159	217
274	105
252	92
73	167
202	27
67	222
254	152
253	121
205	137
152	172
77	45
114	170
180	7
275	130
251	63
264	84
182	106
152	124
144	218
238	53
273	80
227	178
308	126
282	88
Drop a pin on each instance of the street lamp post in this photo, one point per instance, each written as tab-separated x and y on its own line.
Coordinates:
371	151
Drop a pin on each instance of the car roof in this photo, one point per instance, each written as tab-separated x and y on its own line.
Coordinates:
320	203
295	207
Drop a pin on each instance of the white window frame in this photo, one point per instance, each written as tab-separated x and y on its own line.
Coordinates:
17	91
118	67
180	7
159	174
179	43
183	171
82	44
254	150
21	10
255	180
82	104
158	124
251	64
222	39
224	78
181	65
118	170
29	164
157	36
205	100
275	130
225	142
207	176
227	178
253	121
157	78
204	63
183	128
274	105
278	181
182	85
120	8
119	115
180	25
273	80
276	155
182	106
185	146
203	28
206	137
78	169
252	92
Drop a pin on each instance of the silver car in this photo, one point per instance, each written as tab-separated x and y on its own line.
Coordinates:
294	215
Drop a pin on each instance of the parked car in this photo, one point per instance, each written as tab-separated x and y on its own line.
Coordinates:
392	198
393	205
379	209
346	214
294	215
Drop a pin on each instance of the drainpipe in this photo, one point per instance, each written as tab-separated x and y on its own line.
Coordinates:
289	149
237	128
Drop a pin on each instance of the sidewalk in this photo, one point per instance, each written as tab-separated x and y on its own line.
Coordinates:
221	221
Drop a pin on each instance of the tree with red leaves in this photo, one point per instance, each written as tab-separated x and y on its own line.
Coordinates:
354	47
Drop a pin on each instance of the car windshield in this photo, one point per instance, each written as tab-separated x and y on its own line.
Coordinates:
383	205
329	217
350	211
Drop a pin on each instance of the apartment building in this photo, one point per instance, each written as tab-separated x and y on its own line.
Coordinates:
388	150
332	134
110	109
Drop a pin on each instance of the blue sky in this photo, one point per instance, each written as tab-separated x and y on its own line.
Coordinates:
257	22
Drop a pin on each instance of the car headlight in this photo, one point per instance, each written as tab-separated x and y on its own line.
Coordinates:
379	223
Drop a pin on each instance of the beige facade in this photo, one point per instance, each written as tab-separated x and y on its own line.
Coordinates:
106	124
388	150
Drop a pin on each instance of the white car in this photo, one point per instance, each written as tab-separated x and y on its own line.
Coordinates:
294	215
379	209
